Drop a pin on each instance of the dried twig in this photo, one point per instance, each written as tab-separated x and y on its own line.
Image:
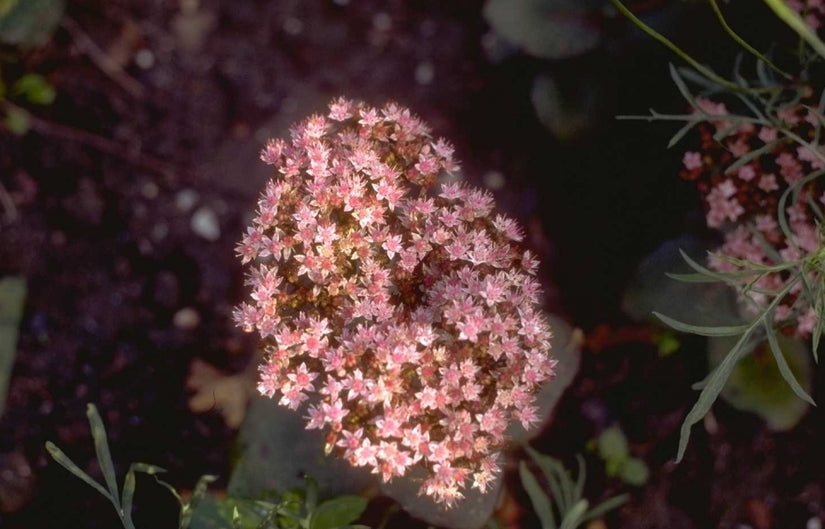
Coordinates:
102	60
105	145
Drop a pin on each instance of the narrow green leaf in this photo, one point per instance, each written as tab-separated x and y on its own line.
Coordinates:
606	506
783	366
64	461
688	74
573	517
681	133
815	209
198	495
338	512
540	501
787	15
104	458
715	383
783	201
684	90
128	496
580	478
236	518
128	493
694	278
734	330
750	156
568	488
766	246
548	467
311	498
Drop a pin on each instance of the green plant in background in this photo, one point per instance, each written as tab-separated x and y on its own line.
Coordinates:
298	508
29	23
759	171
564	502
25	24
612	447
122	502
295	509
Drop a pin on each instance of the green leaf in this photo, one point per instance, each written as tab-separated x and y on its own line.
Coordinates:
757	385
606	506
713	386
17	120
540	501
681	133
311	499
242	513
784	369
6	6
612	444
756	153
338	512
579	489
198	496
104	458
666	342
789	16
555	475
734	330
634	471
34	88
128	494
12	302
30	22
63	460
573	517
236	518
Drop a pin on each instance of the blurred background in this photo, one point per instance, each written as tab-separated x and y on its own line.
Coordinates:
129	169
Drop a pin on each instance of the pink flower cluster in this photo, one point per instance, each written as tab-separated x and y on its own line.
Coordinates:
744	203
402	312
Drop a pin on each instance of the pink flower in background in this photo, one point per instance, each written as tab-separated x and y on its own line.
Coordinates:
400	311
744	204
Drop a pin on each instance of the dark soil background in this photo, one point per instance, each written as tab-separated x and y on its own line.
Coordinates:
132	189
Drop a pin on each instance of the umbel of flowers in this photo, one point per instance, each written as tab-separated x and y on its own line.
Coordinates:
763	231
402	312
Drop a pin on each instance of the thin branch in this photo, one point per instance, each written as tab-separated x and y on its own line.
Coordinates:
739	40
677	50
102	144
102	60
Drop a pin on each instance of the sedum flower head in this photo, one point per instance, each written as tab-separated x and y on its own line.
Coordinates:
403	314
